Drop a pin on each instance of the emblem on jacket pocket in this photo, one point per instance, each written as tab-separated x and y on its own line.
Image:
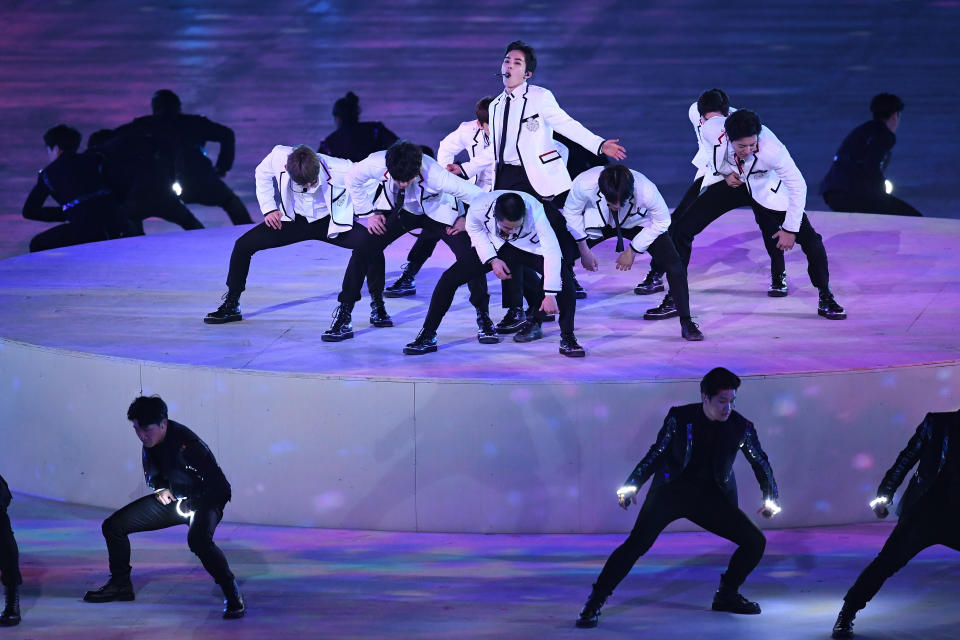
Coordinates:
533	124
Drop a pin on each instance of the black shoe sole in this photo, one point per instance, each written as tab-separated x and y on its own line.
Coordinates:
399	294
340	337
121	598
524	339
832	316
661	316
488	339
692	337
233	615
776	294
10	622
586	624
581	295
209	320
752	612
419	351
577	353
381	324
643	291
509	328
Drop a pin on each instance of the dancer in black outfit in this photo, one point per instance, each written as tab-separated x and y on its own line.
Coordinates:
189	488
9	562
692	468
929	509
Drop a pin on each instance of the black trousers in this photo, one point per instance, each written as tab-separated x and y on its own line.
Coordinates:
161	203
928	524
97	219
147	514
514	178
868	203
701	504
214	192
9	553
399	223
665	255
689	197
300	229
720	198
468	267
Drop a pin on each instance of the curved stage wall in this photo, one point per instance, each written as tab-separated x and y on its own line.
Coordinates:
467	439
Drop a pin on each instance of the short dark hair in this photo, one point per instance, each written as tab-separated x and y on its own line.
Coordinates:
63	136
509	207
528	53
483	109
718	379
303	165
404	160
165	103
713	100
347	108
99	137
885	105
616	183
742	124
147	410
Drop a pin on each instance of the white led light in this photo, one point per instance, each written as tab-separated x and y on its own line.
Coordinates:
177	189
184	514
888	186
627	490
879	500
772	507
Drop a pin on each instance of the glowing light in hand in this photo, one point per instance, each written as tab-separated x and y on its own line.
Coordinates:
626	491
177	189
184	514
878	501
772	507
888	186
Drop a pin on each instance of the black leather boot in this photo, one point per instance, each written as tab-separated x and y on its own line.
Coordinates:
233	604
653	283
843	628
116	589
426	342
229	311
569	346
486	332
778	285
727	598
405	285
530	331
590	614
512	321
11	611
667	309
828	307
378	312
342	326
690	331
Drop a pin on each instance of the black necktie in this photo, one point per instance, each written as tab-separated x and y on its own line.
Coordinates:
398	203
616	221
503	131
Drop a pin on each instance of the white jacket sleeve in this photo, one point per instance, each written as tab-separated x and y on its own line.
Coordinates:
648	197
361	177
449	147
577	201
786	169
481	242
264	175
445	182
557	118
551	251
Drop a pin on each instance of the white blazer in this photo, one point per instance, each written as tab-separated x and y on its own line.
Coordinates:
535	236
469	137
275	189
771	175
587	213
540	115
426	195
704	149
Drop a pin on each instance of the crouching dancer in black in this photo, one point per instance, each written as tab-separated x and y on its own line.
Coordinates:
9	562
928	509
189	488
692	468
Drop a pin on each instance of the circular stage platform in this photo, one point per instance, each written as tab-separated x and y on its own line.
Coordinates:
504	437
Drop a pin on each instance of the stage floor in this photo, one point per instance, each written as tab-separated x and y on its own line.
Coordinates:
311	583
144	298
